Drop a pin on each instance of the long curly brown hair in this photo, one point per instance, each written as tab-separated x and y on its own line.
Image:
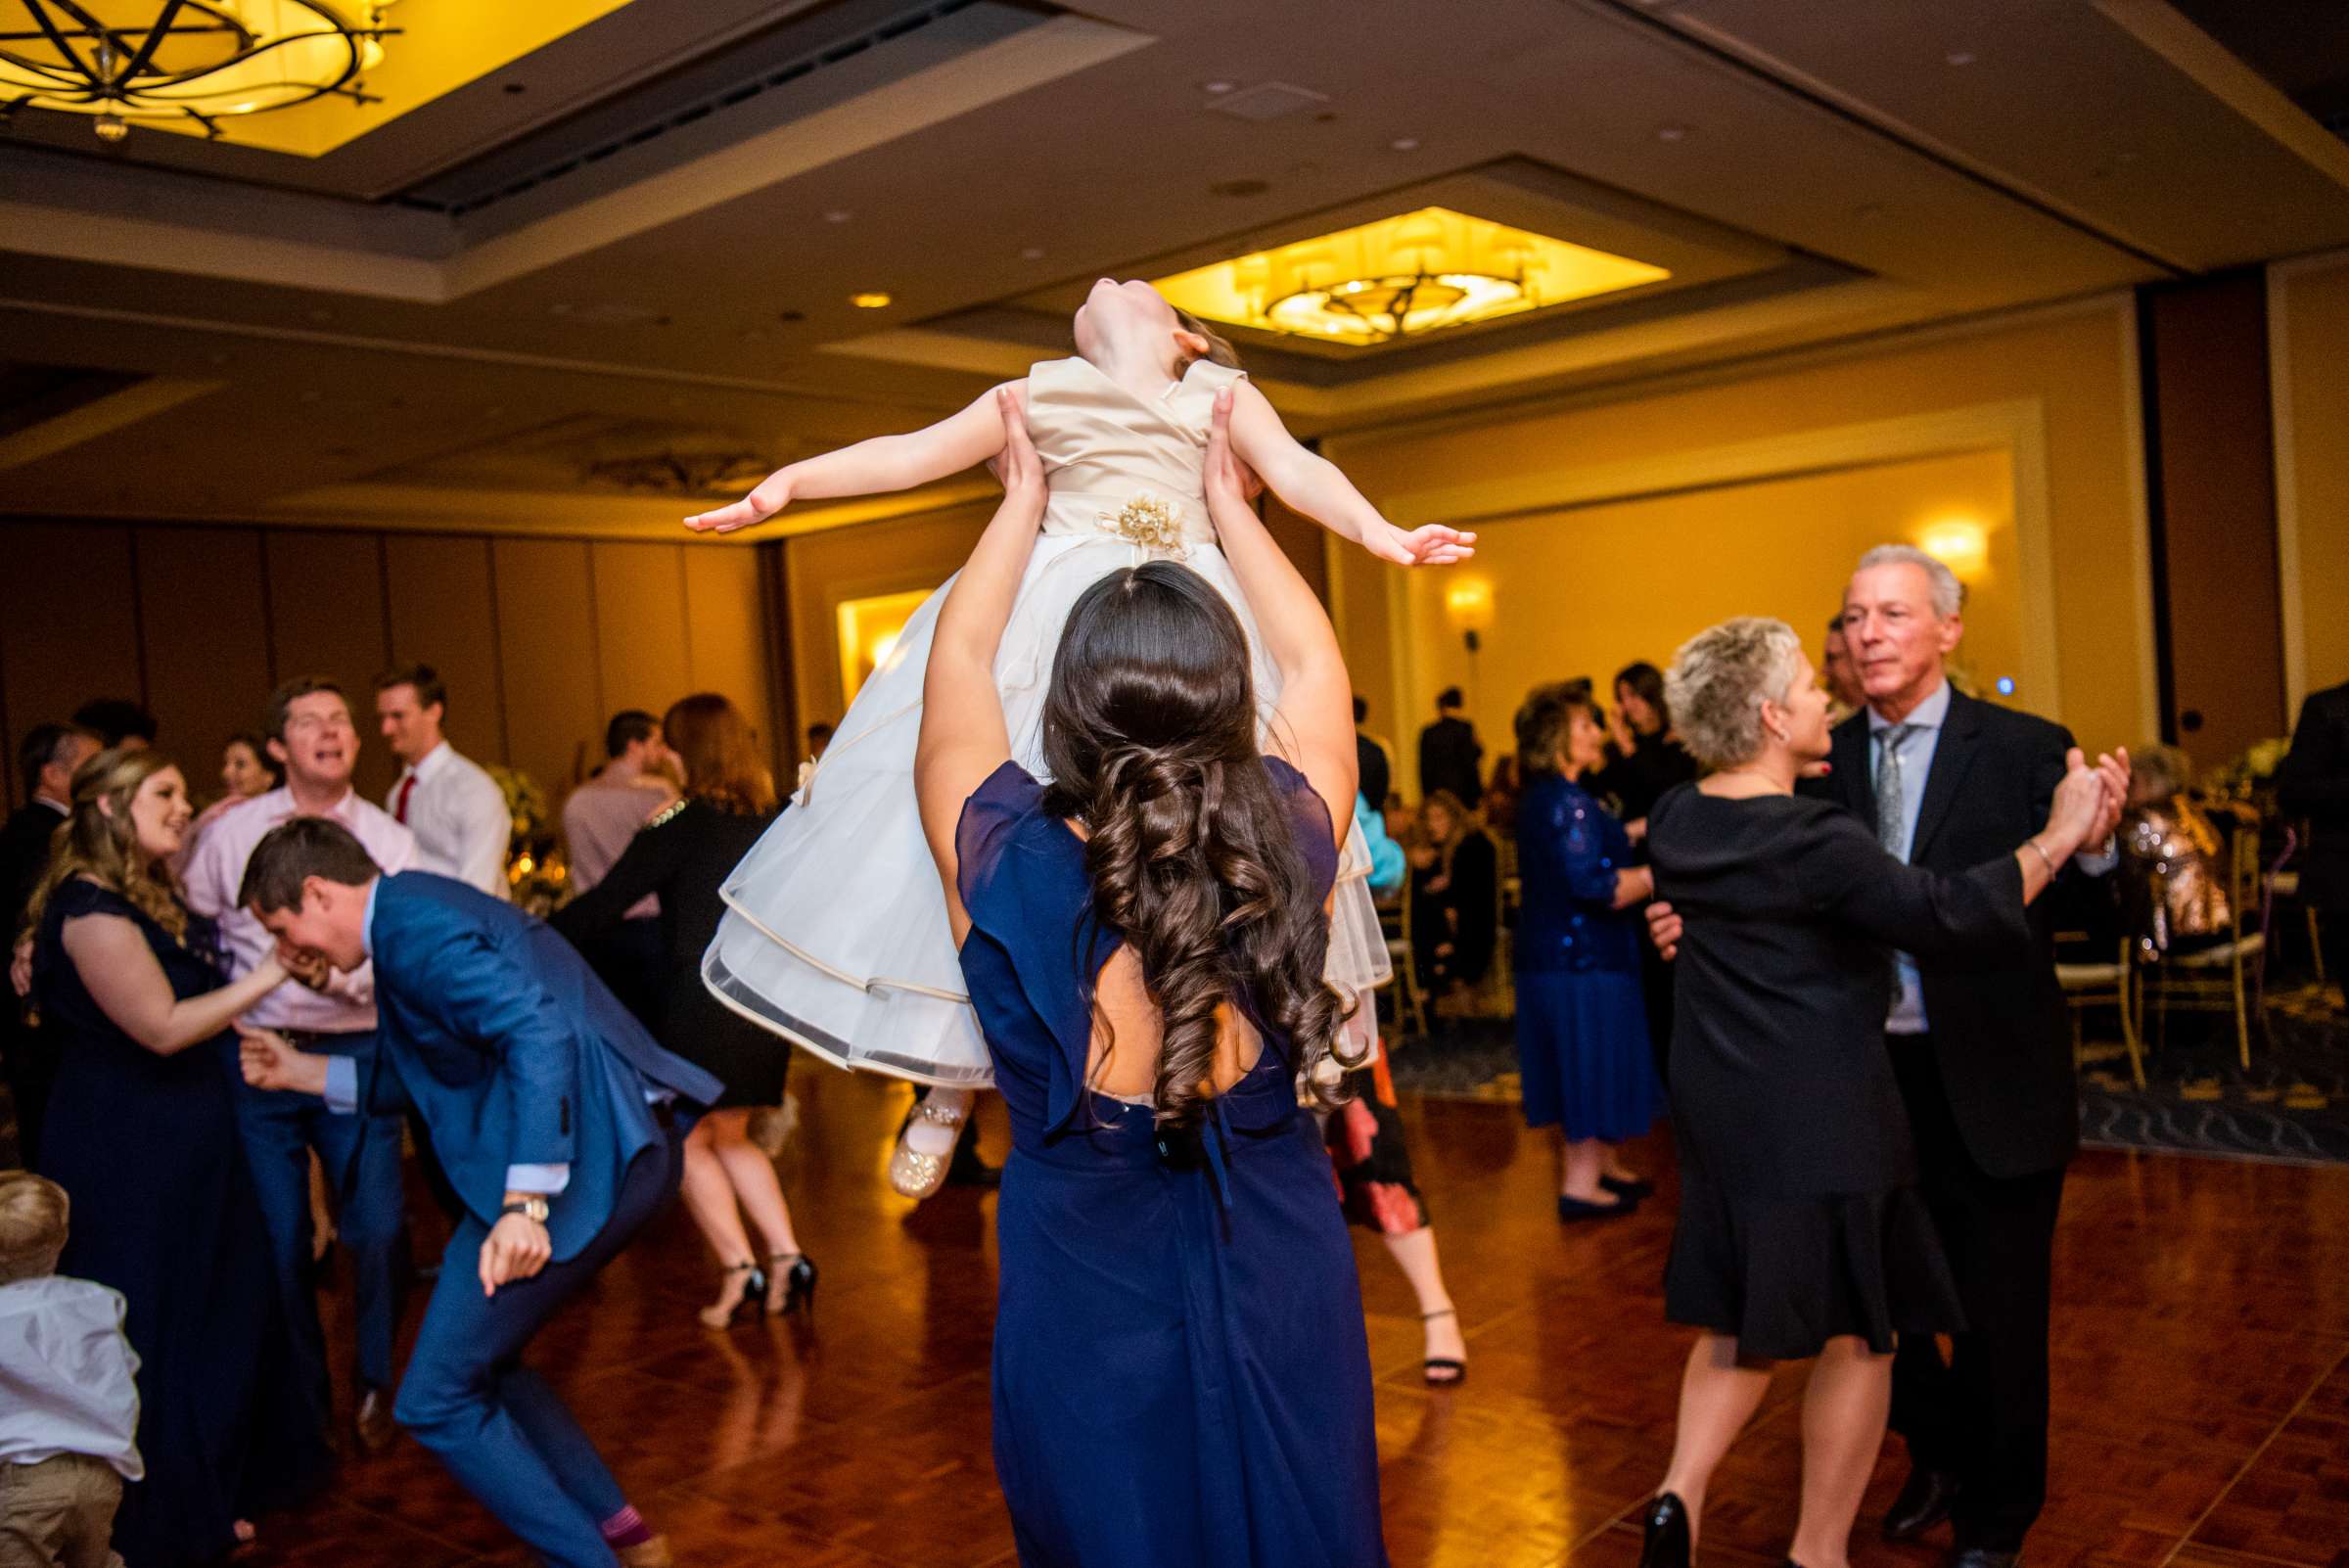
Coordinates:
98	841
1149	734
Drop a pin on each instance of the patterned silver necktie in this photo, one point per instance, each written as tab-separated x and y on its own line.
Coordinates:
1892	802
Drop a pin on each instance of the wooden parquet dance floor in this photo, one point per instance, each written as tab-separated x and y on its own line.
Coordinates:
2201	1380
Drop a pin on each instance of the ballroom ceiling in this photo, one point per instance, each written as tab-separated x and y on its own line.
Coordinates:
629	252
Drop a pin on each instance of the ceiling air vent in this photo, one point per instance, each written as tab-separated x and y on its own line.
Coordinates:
745	84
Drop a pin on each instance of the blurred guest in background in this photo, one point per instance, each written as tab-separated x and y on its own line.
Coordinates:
1648	760
683	856
459	815
116	721
313	736
599	822
246	770
1846	696
1500	796
2172	856
1451	757
1374	758
1454	897
2314	784
1582	1027
46	760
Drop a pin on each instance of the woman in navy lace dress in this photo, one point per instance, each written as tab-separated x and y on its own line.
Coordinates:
122	974
1180	1375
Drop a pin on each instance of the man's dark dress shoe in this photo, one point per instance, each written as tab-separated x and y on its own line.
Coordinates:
1924	1502
375	1424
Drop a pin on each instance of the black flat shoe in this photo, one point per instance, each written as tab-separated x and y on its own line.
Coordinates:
1628	1187
1573	1209
1923	1503
1664	1532
790	1281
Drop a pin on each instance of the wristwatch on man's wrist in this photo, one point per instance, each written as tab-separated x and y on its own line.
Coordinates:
532	1207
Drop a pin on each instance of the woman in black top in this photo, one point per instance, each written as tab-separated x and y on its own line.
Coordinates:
1455	897
1649	759
684	853
1801	1231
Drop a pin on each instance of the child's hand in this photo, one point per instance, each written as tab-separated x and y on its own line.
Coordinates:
1432	545
772	496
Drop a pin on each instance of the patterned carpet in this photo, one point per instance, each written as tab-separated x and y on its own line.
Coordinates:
2290	1106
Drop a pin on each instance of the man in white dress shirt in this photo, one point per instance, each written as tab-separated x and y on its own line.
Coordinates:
455	808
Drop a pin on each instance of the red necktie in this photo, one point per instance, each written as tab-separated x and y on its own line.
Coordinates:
399	808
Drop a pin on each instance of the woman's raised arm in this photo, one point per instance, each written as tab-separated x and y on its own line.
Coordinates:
963	736
1314	722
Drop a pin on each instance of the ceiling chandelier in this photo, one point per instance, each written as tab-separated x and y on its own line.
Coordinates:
1408	275
184	59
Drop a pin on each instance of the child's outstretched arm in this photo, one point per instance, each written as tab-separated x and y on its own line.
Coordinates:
1315	485
871	467
964	737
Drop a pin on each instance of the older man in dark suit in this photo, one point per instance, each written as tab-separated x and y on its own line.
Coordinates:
1982	1055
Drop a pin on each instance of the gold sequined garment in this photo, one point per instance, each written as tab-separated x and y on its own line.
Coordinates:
2176	856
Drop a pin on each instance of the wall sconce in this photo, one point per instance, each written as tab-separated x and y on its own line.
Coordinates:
1959	543
1468	604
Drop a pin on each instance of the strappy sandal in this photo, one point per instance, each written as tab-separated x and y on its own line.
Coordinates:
1442	1371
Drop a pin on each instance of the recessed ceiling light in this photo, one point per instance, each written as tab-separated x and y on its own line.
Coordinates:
1404	144
1671	133
1959	56
516	87
789	316
322	315
1219	89
839	214
1033	253
872	300
1239	188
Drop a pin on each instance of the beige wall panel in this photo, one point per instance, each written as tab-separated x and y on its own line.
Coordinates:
641	631
207	648
726	635
69	624
826	568
546	643
2312	426
444	614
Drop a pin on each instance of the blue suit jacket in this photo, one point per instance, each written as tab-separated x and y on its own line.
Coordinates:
498	1034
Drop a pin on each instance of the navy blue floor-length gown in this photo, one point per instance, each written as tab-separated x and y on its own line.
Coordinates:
147	1149
1181	1378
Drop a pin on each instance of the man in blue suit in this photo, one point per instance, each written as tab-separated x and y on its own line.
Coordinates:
559	1123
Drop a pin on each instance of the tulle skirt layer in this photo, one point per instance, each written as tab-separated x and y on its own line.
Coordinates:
835	931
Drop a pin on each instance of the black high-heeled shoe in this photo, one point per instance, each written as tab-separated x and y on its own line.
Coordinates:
788	1287
752	1297
1664	1539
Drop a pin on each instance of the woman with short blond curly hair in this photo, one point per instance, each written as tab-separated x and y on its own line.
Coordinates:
1801	1232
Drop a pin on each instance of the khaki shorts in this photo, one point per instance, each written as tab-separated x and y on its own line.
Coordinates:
58	1513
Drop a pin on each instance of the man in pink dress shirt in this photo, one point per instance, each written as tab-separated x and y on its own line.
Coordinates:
311	733
599	820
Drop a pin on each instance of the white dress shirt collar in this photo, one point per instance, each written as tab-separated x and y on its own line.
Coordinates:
1927	715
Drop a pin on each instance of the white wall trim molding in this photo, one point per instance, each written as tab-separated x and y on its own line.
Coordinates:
2287	482
1747	368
